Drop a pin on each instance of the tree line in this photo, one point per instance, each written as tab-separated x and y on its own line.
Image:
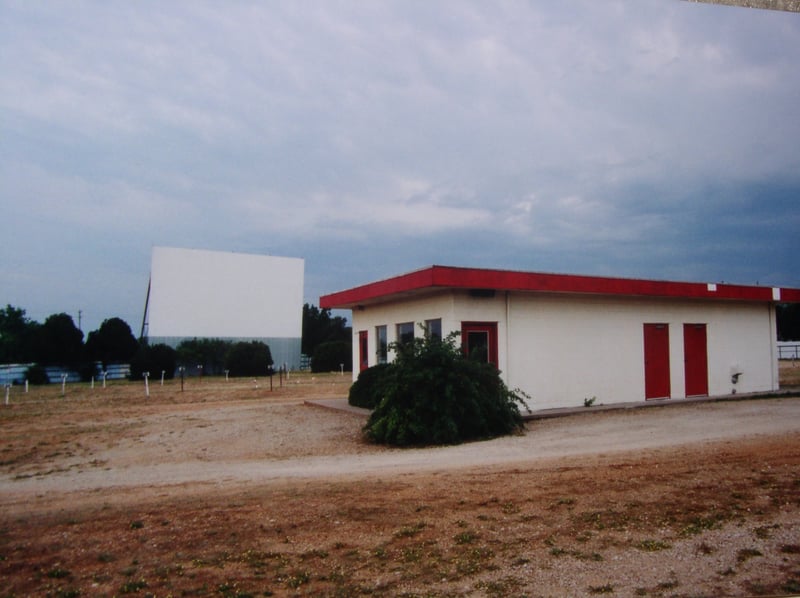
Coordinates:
59	342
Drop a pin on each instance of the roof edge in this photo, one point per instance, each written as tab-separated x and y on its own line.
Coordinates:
454	277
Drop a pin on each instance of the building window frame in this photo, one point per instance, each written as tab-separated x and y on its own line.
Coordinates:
405	332
433	328
381	344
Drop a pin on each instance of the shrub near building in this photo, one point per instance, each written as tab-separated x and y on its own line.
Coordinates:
432	394
367	390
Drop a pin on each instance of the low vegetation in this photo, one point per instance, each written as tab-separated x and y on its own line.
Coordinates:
432	394
367	390
710	519
332	356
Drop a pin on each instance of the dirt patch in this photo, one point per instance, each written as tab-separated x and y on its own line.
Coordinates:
229	489
789	372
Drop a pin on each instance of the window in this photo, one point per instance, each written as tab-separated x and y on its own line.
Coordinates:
381	343
479	341
405	332
433	328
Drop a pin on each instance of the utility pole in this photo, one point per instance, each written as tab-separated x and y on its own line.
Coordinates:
80	313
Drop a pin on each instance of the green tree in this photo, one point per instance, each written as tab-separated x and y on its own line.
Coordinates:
432	394
331	355
252	358
17	336
207	352
36	374
320	327
59	341
113	342
154	359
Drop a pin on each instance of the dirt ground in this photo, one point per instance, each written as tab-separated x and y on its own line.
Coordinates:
232	489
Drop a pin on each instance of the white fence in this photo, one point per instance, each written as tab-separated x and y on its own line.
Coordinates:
14	373
788	350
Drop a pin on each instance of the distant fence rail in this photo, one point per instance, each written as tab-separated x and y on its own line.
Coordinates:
788	350
14	373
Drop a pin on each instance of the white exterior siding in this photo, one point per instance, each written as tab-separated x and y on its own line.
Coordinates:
593	347
561	349
391	314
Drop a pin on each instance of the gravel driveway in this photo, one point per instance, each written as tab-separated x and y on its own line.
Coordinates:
248	443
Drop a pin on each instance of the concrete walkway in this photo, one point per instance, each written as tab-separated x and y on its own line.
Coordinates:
342	405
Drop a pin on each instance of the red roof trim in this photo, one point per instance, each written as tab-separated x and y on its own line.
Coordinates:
790	296
449	277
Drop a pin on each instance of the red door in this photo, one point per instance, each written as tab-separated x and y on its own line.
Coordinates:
695	357
363	351
656	361
479	341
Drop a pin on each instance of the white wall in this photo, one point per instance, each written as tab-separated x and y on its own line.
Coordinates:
391	314
563	349
569	349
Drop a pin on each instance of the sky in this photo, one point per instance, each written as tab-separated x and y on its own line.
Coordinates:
634	138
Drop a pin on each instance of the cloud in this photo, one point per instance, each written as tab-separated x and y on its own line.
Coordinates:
593	137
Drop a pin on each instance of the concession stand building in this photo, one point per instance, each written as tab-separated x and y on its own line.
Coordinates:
566	338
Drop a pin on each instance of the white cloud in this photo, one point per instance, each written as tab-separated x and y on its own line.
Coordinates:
83	205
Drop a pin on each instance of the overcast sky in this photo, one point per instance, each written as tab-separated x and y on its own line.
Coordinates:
637	138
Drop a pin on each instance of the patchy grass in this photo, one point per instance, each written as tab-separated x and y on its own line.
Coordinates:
410	531
504	531
652	545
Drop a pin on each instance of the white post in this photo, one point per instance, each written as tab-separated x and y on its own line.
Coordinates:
226	375
162	377
64	384
341	369
26	386
92	386
146	383
104	378
8	390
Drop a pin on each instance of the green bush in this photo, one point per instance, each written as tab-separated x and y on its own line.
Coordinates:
154	359
36	374
433	395
329	357
113	342
208	352
367	391
87	371
248	359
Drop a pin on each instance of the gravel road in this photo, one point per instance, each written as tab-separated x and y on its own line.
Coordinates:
254	443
